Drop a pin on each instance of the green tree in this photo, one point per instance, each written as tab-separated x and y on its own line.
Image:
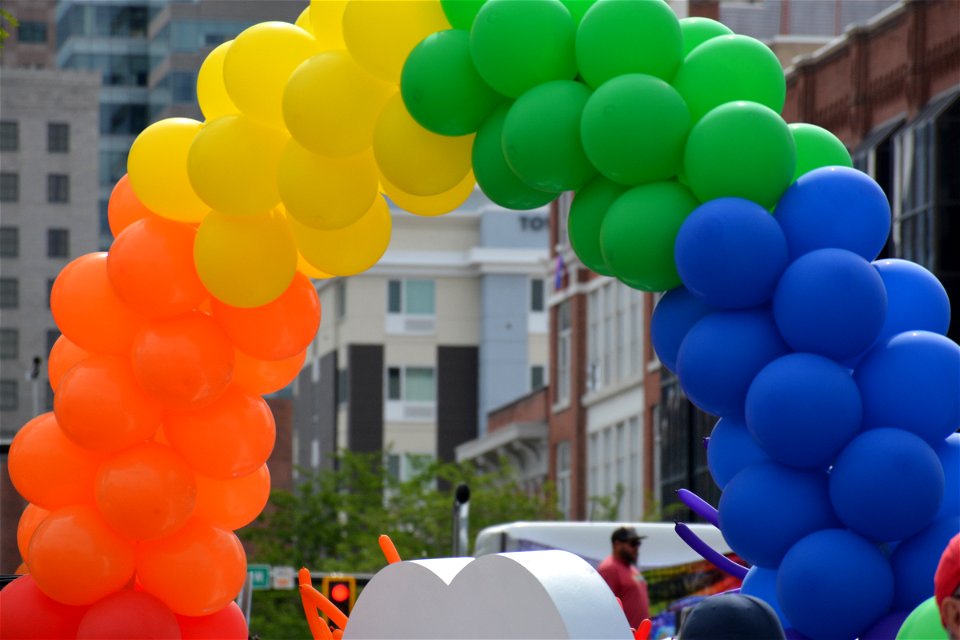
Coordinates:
7	21
332	521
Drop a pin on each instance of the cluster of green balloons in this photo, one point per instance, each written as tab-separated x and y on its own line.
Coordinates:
643	115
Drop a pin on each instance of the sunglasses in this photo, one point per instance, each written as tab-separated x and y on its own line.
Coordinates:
633	543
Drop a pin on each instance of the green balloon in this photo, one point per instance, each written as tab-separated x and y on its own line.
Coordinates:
494	175
628	36
541	137
518	45
638	233
741	149
696	31
578	8
730	68
923	623
441	88
817	147
589	207
461	13
634	128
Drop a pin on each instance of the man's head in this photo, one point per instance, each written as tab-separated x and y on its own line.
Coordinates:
731	616
626	544
946	587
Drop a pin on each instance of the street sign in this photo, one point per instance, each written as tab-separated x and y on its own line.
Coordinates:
284	578
259	575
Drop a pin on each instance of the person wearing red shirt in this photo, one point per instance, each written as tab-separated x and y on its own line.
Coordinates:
946	588
625	580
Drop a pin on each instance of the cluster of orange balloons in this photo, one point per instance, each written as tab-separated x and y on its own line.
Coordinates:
305	135
156	448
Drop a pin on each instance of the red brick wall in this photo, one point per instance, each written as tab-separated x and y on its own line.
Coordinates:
532	407
281	460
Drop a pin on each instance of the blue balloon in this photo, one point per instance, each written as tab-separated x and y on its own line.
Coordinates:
831	302
721	356
834	584
803	409
834	207
768	507
948	452
731	450
915	560
730	252
916	301
912	382
887	484
762	583
677	311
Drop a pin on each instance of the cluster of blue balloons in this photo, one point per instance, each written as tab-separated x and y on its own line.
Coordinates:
838	395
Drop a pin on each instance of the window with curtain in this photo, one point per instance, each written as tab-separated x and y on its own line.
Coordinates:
411	297
411	384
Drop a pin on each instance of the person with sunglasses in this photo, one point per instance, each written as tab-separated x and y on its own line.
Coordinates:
946	588
620	572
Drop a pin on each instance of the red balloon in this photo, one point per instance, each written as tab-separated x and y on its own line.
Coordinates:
151	268
100	406
226	624
26	612
277	330
230	438
63	356
129	615
87	309
146	492
47	468
124	207
184	362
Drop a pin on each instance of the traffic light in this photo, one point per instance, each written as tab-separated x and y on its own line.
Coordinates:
341	591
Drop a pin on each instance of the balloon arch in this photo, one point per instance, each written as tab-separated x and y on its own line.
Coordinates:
836	386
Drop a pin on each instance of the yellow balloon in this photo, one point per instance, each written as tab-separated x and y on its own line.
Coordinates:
245	261
326	16
309	270
323	192
331	104
350	250
233	165
381	33
259	63
415	160
211	94
304	22
429	206
157	169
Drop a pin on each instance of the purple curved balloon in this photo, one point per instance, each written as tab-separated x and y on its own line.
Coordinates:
715	558
699	506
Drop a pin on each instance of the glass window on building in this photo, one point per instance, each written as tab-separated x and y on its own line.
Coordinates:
9	395
52	336
537	377
9	293
9	242
58	188
411	384
9	135
58	243
563	352
411	297
125	120
9	187
50	282
183	87
58	137
563	478
537	295
31	32
9	344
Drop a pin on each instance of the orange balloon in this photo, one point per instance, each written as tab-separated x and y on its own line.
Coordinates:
63	356
87	309
75	558
47	468
100	406
234	503
146	492
196	571
151	268
183	362
261	377
30	519
229	438
124	207
277	330
22	569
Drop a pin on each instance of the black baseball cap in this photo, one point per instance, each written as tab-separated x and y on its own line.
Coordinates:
625	534
731	616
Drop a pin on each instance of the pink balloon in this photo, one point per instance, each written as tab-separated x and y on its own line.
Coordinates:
129	615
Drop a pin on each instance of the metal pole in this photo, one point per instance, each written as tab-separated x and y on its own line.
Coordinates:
461	517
